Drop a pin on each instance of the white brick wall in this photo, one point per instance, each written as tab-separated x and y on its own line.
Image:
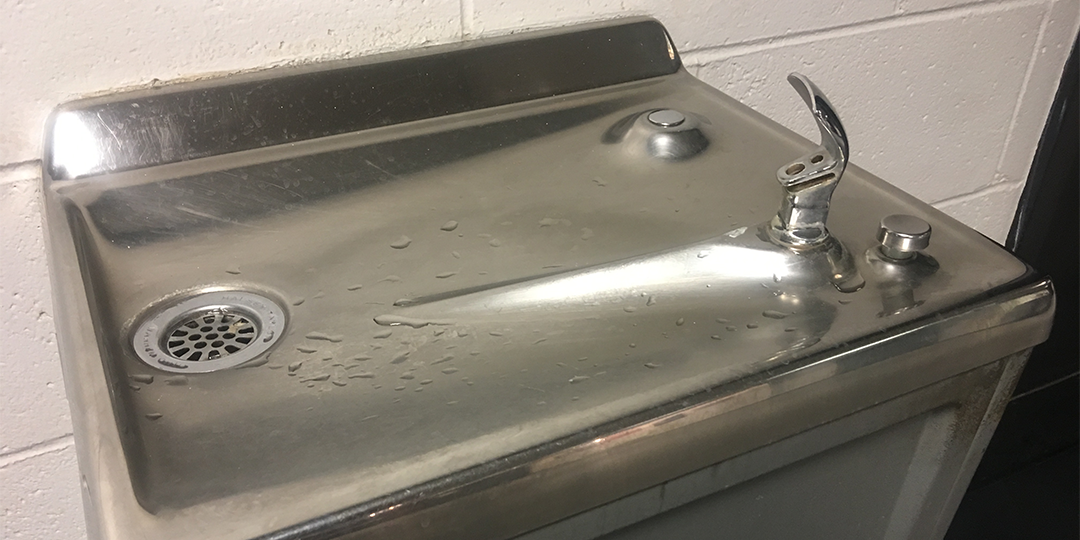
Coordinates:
945	98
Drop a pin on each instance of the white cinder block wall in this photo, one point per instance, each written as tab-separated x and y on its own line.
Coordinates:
944	98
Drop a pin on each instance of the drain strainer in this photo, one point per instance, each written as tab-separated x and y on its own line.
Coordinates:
210	331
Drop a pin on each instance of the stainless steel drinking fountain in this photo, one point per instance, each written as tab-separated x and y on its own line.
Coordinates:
539	286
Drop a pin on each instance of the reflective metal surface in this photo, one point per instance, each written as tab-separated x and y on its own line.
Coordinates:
497	312
903	236
809	181
171	124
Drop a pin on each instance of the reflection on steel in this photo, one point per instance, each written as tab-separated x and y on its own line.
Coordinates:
903	236
809	181
580	304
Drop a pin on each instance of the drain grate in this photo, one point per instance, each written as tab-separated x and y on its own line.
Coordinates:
210	331
210	335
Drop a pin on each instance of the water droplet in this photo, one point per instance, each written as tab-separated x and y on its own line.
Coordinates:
319	294
583	358
306	350
383	334
455	254
731	329
790	329
539	341
178	380
495	333
474	353
317	378
844	302
548	222
153	416
751	326
651	301
234	270
773	314
362	375
446	358
361	358
578	378
407	377
439	331
722	321
586	233
391	278
462	333
401	243
449	226
338	383
495	242
450	370
355	287
298	301
401	357
629	309
324	337
426	381
398	320
135	388
445	275
144	379
651	365
633	345
736	232
681	321
399	388
419	389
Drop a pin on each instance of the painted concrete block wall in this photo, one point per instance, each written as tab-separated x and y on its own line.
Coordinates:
944	98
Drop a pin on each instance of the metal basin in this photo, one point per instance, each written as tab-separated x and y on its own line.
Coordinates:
450	299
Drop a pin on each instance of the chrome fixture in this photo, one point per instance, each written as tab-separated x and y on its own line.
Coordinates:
809	181
662	134
902	236
666	118
210	331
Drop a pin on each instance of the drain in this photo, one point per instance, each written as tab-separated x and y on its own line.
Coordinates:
211	335
210	331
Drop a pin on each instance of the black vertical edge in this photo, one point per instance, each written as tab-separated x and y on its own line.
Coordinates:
1026	485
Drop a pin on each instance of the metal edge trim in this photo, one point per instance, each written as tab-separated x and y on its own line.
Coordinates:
1028	299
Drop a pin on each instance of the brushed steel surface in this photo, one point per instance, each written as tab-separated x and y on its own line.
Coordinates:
487	305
